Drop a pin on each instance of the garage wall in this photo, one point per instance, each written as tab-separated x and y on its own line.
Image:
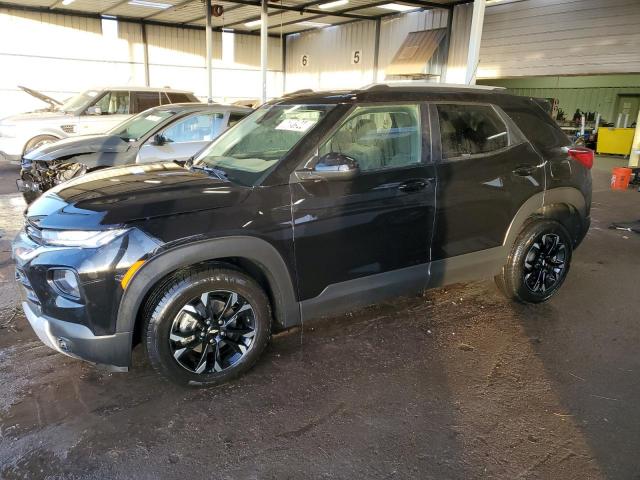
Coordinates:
324	58
560	37
78	54
596	93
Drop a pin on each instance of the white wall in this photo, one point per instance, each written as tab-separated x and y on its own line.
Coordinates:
329	51
560	37
520	38
61	55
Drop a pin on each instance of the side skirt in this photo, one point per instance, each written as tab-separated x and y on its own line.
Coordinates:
346	296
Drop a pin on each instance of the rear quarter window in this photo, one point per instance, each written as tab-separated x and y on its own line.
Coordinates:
537	126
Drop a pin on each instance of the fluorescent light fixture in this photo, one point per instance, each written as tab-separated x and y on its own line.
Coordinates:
67	2
398	7
330	5
253	23
148	4
313	24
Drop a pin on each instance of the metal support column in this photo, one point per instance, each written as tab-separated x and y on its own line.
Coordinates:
145	54
473	59
447	46
264	38
376	50
208	39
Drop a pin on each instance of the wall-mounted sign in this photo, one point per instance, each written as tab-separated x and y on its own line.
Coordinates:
304	60
356	57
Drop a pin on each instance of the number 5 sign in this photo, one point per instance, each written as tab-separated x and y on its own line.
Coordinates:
356	57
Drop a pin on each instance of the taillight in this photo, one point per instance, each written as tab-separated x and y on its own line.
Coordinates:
583	155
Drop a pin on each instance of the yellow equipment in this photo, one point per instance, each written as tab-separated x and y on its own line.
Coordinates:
616	141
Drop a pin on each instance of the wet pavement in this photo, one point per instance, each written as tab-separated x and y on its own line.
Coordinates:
458	383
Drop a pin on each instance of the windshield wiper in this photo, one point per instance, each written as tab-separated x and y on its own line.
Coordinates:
220	174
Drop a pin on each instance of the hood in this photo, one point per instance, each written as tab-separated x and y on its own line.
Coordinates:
40	116
41	96
77	146
117	196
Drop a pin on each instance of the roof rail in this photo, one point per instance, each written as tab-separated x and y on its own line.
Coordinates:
397	84
304	90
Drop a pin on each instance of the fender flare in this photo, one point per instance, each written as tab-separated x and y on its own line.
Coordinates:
561	195
256	250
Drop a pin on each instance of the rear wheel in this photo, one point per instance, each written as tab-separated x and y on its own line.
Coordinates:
538	263
207	327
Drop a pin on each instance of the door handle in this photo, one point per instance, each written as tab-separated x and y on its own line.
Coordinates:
413	185
524	170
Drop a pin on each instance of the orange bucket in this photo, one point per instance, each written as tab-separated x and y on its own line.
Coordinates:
620	178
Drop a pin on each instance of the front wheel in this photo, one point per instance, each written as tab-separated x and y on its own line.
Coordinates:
538	263
207	326
38	141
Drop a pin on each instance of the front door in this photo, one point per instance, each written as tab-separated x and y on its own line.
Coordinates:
183	139
114	108
362	239
486	171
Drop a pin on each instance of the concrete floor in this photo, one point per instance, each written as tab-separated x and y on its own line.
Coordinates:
459	383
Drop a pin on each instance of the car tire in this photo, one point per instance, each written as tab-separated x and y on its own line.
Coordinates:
191	337
538	264
38	141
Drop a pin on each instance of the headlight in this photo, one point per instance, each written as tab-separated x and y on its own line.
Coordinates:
80	238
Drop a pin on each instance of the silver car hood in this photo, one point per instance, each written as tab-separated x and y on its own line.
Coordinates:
78	145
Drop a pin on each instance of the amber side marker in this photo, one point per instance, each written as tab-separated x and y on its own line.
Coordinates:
130	273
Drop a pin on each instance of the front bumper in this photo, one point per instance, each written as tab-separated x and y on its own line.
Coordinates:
75	340
11	149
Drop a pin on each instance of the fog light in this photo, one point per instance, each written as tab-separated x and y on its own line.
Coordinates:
63	343
66	282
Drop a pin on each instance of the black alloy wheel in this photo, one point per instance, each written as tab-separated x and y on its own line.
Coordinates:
206	325
538	263
544	264
212	332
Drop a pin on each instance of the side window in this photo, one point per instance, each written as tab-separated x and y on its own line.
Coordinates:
114	103
235	118
144	100
179	97
470	130
379	137
164	98
196	128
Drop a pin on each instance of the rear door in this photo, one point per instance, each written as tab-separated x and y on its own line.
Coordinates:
373	231
183	138
486	171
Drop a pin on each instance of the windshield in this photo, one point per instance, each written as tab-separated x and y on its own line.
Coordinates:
245	152
79	100
138	126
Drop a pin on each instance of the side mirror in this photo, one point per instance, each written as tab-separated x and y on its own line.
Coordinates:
94	110
158	140
332	166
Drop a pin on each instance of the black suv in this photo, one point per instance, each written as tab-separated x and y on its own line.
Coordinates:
315	204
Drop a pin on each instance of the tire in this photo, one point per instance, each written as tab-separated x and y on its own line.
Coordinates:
187	350
538	264
38	141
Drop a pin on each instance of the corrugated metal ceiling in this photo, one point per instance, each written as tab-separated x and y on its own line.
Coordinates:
285	16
